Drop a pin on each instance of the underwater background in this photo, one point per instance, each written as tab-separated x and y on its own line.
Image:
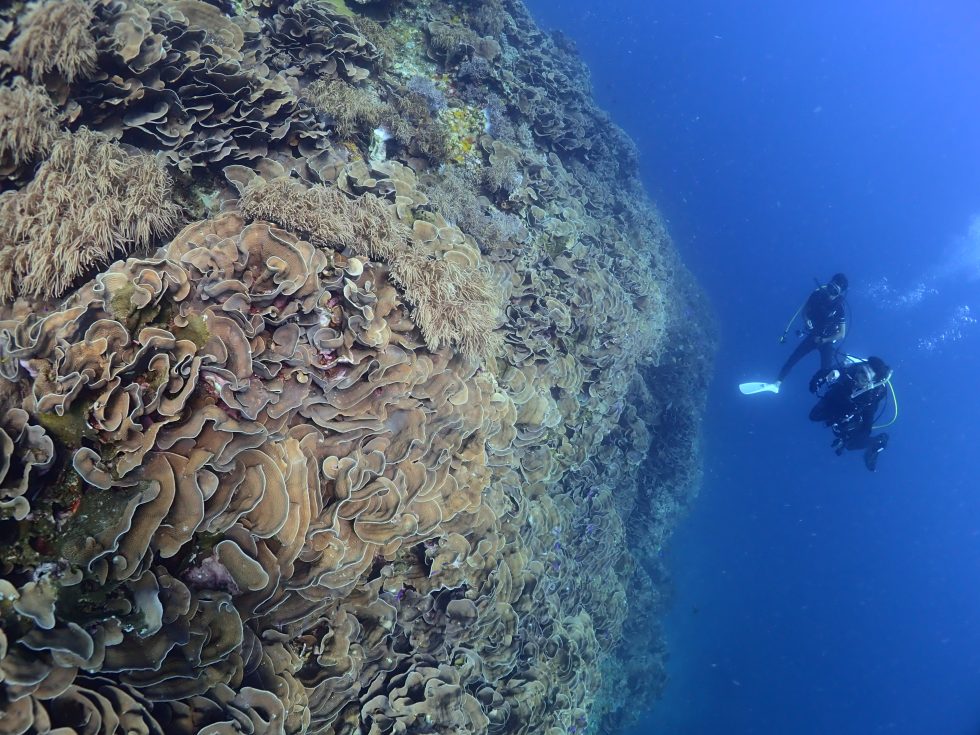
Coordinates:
785	142
369	367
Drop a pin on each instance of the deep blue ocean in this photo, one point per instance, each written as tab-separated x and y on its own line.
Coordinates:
785	142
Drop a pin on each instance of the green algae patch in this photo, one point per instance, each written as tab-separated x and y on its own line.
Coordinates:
123	309
121	302
339	7
206	541
81	602
157	377
33	541
71	427
92	602
102	516
196	331
146	317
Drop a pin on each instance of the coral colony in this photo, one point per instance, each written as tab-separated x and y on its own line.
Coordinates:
349	383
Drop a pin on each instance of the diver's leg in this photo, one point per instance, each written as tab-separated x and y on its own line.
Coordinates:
875	446
820	412
857	440
828	351
804	347
872	445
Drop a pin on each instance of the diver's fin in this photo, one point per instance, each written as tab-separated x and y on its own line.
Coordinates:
749	389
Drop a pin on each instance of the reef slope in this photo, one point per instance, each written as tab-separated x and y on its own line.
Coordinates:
349	381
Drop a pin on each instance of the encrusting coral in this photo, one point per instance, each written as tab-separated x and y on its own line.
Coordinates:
89	201
390	439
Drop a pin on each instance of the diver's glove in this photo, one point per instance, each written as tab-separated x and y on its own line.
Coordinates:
823	378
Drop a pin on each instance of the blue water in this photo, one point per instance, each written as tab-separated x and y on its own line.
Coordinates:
783	142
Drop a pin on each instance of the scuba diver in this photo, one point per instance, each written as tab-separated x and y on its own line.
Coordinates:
824	325
851	397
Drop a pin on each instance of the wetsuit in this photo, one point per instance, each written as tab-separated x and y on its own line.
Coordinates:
848	410
824	318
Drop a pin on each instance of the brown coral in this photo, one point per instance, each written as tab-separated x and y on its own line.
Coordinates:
25	451
451	42
331	218
415	126
183	87
89	201
351	109
56	36
315	39
278	501
454	303
28	125
261	417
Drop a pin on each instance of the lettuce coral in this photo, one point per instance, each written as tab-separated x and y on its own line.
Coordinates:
377	444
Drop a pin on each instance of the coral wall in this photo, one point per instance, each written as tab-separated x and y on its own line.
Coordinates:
349	382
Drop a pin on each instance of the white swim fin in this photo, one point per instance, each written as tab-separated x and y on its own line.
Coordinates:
749	389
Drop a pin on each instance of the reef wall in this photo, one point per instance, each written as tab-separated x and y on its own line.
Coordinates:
349	382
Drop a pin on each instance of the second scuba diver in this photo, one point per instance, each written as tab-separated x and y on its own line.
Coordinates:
824	325
850	402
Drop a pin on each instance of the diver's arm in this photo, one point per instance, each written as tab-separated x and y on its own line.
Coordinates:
789	324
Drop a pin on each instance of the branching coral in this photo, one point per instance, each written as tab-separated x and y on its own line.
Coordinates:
454	198
413	124
56	37
89	201
425	88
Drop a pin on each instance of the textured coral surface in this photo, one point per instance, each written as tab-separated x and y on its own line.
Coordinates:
349	382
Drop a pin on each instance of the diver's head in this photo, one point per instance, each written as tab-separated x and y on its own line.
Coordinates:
837	286
880	372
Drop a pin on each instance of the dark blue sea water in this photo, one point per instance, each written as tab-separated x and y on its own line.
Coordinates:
787	141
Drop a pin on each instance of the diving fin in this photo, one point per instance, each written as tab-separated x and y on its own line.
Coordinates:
749	389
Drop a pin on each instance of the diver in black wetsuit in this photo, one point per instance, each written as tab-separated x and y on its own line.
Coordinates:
825	324
852	396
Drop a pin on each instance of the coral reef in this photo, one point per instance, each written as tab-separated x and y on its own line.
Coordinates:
55	38
453	302
89	201
327	215
389	439
169	80
350	109
27	125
